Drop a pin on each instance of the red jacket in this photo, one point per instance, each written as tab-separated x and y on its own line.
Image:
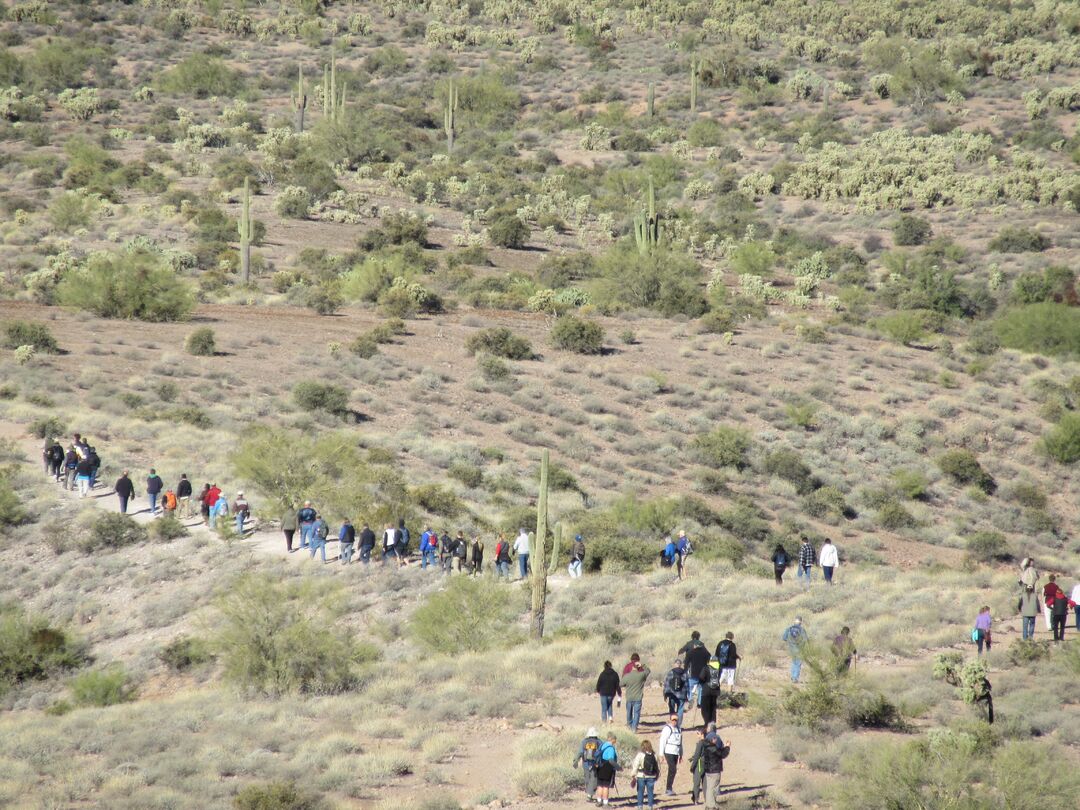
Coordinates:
213	495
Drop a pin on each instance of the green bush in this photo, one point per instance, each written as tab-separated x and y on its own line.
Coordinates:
723	446
103	687
753	258
111	531
469	615
72	210
168	528
1062	441
669	282
500	342
468	474
577	335
12	512
317	396
201	76
905	327
1048	328
136	285
1013	239
201	342
325	297
31	649
911	230
276	796
989	547
892	515
912	484
788	464
184	653
493	369
963	468
437	500
27	333
831	693
47	427
827	503
509	231
276	637
397	228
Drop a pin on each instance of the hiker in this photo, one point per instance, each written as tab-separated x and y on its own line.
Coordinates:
629	665
796	639
605	772
1050	591
477	556
83	471
1029	575
1059	614
71	461
502	557
318	537
709	756
427	551
153	490
683	549
389	542
81	447
241	511
577	557
45	448
828	559
367	543
589	758
54	457
695	656
981	632
675	690
1028	606
710	689
95	465
402	542
669	554
521	548
697	766
306	517
671	747
204	504
289	522
183	497
633	686
728	656
646	770
213	496
125	491
807	558
346	538
608	685
446	552
1074	597
843	649
168	503
461	550
220	510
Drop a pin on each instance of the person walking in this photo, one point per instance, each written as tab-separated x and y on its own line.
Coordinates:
289	522
1029	574
461	550
711	688
83	472
669	555
55	459
502	558
1059	614
646	770
45	450
633	687
241	511
982	629
796	639
447	545
426	551
1050	592
1028	605
71	462
306	517
204	504
219	511
695	656
605	772
727	655
671	747
154	486
125	491
403	537
608	685
367	543
844	652
389	543
168	503
183	497
1074	597
589	759
807	558
346	538
577	557
318	537
829	560
709	755
683	550
95	465
676	687
697	766
477	556
521	548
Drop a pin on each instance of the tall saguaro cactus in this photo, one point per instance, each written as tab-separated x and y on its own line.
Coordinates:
244	226
539	578
695	73
651	101
647	225
450	116
300	99
333	104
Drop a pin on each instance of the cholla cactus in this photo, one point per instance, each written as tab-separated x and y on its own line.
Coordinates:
25	355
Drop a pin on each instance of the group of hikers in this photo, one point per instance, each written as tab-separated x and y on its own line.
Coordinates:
76	467
1055	606
807	558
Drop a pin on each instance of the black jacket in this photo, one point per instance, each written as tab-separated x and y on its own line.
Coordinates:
84	467
708	750
183	489
153	484
124	488
367	538
608	684
349	534
695	655
56	453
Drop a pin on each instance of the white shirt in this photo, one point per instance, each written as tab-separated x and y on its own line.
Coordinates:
521	545
1075	596
670	740
388	538
828	557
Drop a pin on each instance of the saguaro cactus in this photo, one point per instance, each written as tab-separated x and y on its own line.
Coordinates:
647	225
652	100
539	578
333	104
299	100
695	71
450	116
244	226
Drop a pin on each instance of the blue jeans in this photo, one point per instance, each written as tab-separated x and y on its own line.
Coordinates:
633	714
606	711
123	504
152	497
240	524
804	575
1077	609
1028	627
523	565
693	691
796	669
365	554
827	571
212	519
502	569
676	706
645	785
427	558
318	544
346	552
306	532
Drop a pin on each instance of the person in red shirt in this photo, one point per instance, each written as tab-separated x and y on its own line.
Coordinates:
1050	592
634	659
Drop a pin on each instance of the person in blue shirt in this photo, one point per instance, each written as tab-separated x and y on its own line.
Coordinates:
427	550
318	537
605	771
684	550
669	554
346	539
306	516
796	639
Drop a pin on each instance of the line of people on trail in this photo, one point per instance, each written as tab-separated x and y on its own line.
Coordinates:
75	468
1055	606
828	559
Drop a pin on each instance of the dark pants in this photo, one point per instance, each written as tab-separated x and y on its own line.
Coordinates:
1057	623
778	572
123	504
708	707
672	766
478	565
365	554
827	570
984	640
288	537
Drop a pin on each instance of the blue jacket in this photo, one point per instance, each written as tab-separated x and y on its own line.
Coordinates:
608	753
425	542
306	515
670	552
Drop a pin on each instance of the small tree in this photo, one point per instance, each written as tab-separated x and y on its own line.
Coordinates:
136	285
723	446
27	333
911	230
509	231
201	342
963	468
577	335
317	396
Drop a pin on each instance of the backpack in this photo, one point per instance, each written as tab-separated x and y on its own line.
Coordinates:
676	682
650	767
323	531
724	653
170	500
592	751
714	677
782	559
975	632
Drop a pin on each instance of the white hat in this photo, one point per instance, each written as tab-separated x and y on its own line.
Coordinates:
591	732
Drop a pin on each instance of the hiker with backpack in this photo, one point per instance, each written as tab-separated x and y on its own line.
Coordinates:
477	556
427	550
671	747
683	550
1059	614
54	456
796	639
502	557
669	554
125	491
168	503
589	759
306	516
461	551
605	771
346	538
389	543
676	686
241	511
577	557
153	489
728	656
709	756
318	537
183	497
697	767
981	632
844	652
711	687
402	539
807	558
695	656
633	686
71	462
608	685
367	544
646	770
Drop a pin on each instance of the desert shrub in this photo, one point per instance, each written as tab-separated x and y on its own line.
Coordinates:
753	258
963	468
486	101
988	547
912	484
905	328
437	500
468	474
500	342
317	396
276	796
493	369
911	230
201	342
103	687
666	281
1062	441
276	637
509	231
1027	651
111	531
27	333
723	446
72	210
185	652
1047	328
60	63
135	285
32	649
201	76
397	228
294	202
325	297
47	426
788	464
892	515
1027	495
364	346
830	693
468	615
168	528
827	503
577	335
12	512
1013	239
